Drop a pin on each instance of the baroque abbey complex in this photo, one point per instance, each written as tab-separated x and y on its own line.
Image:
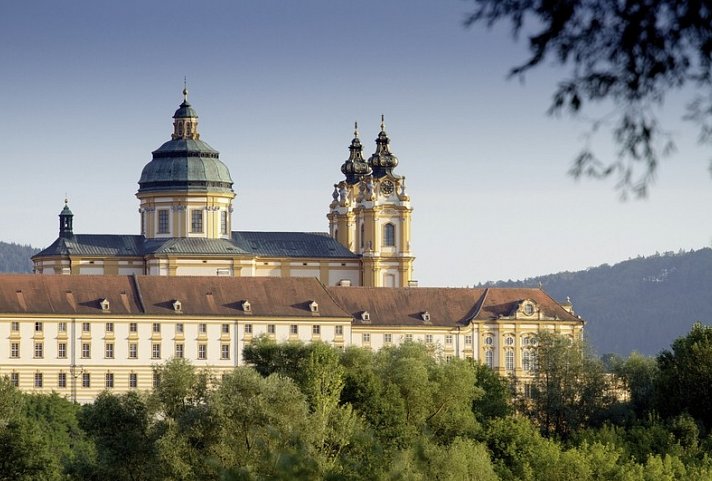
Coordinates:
102	310
186	194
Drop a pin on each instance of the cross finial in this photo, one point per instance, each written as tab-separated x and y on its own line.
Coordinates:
383	123
185	88
355	129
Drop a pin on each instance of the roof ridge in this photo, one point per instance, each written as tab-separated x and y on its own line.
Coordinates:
481	300
328	293
139	295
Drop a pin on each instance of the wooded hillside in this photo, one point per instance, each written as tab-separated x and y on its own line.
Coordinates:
16	257
639	304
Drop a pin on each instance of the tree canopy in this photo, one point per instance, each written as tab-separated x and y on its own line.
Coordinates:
631	53
311	412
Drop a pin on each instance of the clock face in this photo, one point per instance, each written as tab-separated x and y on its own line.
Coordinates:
387	187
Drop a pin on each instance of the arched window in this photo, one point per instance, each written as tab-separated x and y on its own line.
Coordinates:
336	233
527	360
389	235
363	232
489	358
509	360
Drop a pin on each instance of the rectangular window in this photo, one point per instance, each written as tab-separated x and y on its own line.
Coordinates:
14	326
109	327
180	351
448	339
294	329
428	338
366	338
468	340
163	225
156	379
133	380
86	379
156	327
62	379
179	328
15	379
196	221
271	329
86	350
223	222
225	351
339	330
202	328
409	338
388	338
39	350
109	350
14	350
38	379
225	328
38	327
61	327
62	350
156	351
248	328
202	351
109	380
316	330
86	327
133	327
133	350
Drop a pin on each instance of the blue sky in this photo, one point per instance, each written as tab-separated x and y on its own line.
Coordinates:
88	89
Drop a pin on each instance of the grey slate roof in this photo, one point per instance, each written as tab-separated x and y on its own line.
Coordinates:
290	244
192	246
95	245
243	244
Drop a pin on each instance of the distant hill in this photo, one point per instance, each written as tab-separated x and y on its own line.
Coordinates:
16	257
640	304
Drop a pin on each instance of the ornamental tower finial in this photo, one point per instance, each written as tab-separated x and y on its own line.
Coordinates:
383	161
355	166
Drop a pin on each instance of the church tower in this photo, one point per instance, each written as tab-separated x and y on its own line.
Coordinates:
371	214
185	191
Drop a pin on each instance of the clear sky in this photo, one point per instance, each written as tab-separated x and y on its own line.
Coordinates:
88	90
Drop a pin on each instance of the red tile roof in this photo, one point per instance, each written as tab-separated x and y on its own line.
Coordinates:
268	297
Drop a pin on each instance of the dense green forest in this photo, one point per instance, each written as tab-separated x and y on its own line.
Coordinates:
16	257
636	305
312	412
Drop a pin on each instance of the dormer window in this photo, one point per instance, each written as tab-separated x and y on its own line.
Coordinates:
105	306
246	306
314	307
425	315
177	306
365	316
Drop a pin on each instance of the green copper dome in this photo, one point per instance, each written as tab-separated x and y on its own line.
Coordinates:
185	163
